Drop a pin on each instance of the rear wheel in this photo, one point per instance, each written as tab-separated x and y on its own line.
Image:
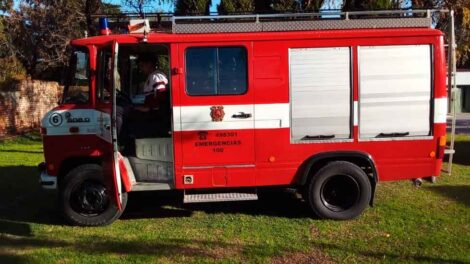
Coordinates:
85	198
340	190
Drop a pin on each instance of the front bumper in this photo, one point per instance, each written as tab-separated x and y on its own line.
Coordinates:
47	181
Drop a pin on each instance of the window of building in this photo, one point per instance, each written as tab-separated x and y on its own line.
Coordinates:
216	71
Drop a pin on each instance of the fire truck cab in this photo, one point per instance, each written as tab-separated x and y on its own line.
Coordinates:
328	110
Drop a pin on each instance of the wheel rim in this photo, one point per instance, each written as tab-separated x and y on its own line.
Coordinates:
340	193
89	198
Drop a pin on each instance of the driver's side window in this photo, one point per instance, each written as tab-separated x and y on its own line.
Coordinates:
104	75
78	84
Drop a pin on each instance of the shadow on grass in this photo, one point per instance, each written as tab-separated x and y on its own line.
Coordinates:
160	205
462	153
23	151
168	248
15	228
458	193
386	256
277	202
23	200
11	259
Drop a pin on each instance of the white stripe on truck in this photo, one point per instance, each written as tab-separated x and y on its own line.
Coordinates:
263	116
440	110
193	118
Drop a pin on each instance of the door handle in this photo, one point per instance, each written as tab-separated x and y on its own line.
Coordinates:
107	126
241	115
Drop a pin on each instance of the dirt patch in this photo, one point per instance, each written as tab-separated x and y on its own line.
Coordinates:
226	252
314	256
314	231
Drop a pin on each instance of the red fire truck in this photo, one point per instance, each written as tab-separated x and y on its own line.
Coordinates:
329	107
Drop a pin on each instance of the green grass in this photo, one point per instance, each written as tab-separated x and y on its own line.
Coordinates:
430	224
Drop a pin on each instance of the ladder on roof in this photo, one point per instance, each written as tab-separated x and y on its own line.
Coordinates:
451	90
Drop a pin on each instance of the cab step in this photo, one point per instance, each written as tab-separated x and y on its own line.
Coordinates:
150	186
219	197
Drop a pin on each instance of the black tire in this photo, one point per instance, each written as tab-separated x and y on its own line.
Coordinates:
84	197
340	191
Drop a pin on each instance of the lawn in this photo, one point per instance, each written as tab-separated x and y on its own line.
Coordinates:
430	224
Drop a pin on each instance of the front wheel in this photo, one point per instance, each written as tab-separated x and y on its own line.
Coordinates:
340	191
85	199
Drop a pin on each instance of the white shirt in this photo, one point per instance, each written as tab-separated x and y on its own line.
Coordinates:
156	81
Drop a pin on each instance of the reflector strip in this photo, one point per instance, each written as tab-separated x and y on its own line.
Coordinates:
440	110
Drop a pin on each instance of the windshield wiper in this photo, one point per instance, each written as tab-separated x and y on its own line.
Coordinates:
308	137
393	134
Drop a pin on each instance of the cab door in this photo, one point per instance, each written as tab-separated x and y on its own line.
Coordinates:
215	117
108	132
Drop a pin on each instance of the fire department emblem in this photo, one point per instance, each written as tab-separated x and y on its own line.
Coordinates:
217	113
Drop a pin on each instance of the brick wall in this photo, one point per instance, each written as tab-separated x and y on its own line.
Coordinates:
23	106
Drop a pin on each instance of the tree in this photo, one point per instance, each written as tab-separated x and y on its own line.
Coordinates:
254	6
192	7
4	49
314	5
91	7
236	7
139	6
462	18
5	5
357	5
39	33
462	24
262	6
282	6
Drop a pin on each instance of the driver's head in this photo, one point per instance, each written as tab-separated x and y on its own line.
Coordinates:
147	62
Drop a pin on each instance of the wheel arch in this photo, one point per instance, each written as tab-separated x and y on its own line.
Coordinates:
70	163
317	161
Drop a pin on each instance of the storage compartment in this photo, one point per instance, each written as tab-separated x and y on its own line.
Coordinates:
157	149
320	93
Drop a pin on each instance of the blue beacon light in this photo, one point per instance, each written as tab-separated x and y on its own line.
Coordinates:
104	29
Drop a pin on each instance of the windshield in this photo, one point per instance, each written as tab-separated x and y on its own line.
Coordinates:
77	89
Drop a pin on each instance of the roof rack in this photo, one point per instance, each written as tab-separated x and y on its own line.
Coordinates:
325	20
305	21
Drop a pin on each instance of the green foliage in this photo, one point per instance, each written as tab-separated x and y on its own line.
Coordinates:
11	70
282	6
5	5
355	5
236	7
312	5
192	7
462	18
462	24
40	34
262	6
4	49
110	9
